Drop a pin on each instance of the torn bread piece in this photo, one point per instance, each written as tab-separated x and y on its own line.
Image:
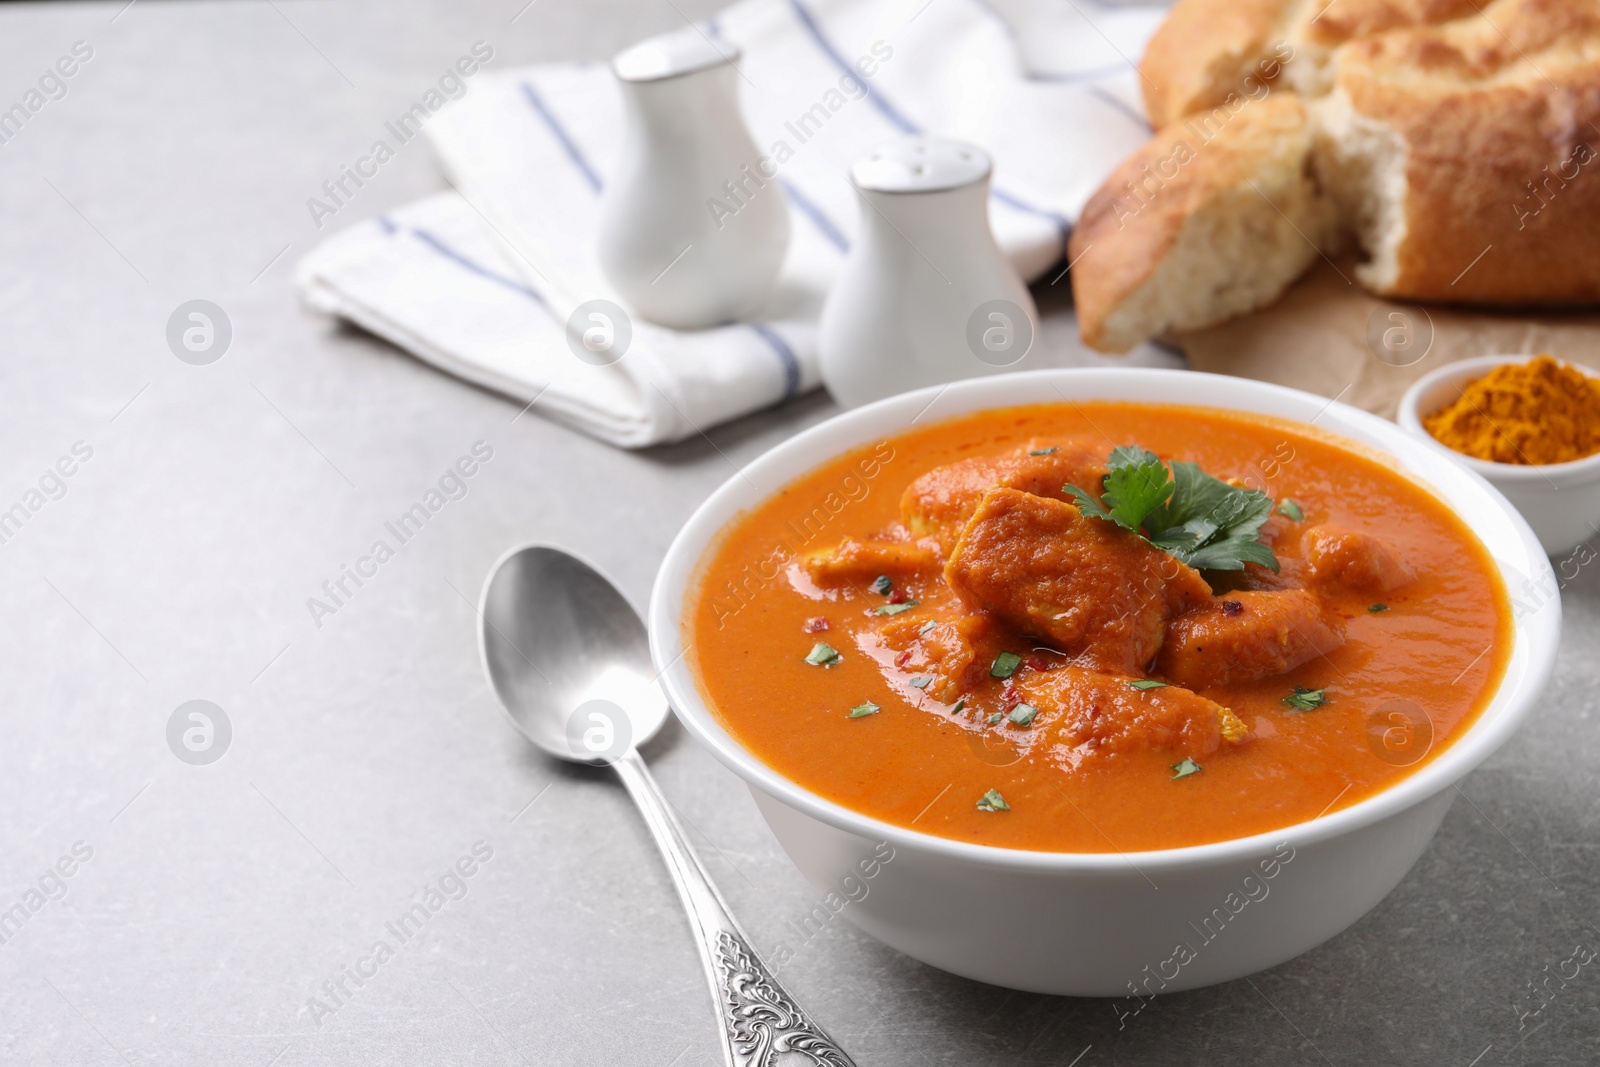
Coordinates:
1201	225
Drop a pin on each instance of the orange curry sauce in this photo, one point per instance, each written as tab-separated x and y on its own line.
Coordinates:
1438	643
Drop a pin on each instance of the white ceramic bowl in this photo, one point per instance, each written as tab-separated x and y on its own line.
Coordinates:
1106	924
1561	501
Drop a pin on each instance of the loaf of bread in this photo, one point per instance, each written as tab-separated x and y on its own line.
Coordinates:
1453	145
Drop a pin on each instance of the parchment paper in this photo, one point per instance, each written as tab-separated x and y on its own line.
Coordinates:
1327	335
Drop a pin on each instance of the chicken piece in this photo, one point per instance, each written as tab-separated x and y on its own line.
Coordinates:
1358	561
1244	636
946	650
853	562
1101	713
941	501
1100	593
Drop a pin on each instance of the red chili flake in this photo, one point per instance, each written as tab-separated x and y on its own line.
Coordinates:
903	659
1009	695
1037	663
1232	607
815	625
898	597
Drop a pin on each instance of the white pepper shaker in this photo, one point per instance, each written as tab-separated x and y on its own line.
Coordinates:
693	223
925	297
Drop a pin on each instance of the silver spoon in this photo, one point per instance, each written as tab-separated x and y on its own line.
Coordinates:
568	657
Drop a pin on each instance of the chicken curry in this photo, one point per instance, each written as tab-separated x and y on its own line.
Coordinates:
1099	627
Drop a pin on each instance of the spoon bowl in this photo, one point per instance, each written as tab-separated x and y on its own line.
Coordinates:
562	645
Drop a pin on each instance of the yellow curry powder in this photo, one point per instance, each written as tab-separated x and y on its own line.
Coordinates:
1540	411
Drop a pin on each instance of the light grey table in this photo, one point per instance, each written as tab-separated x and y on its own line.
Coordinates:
208	905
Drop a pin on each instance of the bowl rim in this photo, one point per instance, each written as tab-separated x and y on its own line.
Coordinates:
1409	415
1535	635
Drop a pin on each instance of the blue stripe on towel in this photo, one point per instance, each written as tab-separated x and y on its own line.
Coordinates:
905	125
1120	107
780	347
888	110
559	132
786	356
484	272
810	209
1063	224
1084	77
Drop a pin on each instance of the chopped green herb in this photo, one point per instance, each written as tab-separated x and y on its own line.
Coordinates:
1303	699
882	585
1203	521
1005	665
1289	509
956	708
1148	683
1378	607
994	720
822	655
923	632
921	681
861	711
993	801
1185	769
1023	714
895	609
1044	451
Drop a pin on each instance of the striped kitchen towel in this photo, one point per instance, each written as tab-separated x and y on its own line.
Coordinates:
480	281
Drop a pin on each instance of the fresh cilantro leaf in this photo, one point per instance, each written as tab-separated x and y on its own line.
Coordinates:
994	720
1131	456
882	585
1374	609
993	801
822	655
1210	524
955	709
1148	683
1202	520
1005	665
861	711
1290	510
1043	451
1185	769
1137	484
1086	503
1023	714
895	609
921	681
1303	699
923	631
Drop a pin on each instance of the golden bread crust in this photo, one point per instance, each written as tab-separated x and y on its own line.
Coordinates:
1345	20
1204	50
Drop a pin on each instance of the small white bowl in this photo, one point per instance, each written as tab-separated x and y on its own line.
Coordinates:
1107	924
1561	501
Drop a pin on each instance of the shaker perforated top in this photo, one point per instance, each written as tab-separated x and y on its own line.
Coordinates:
672	55
920	164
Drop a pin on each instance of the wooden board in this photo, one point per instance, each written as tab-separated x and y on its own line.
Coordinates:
1316	338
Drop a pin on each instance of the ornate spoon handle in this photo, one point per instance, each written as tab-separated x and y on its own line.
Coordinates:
760	1020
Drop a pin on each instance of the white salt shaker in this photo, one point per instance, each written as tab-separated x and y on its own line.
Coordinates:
926	296
693	223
